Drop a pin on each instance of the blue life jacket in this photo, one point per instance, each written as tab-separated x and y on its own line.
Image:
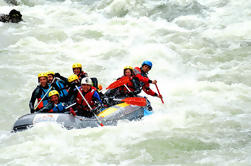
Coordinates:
46	98
58	108
62	91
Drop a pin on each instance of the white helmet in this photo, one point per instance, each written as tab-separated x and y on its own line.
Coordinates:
87	81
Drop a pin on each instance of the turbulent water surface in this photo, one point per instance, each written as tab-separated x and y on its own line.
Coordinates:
201	54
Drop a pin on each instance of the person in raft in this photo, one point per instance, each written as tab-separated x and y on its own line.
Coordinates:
92	97
77	69
142	74
54	105
40	93
129	89
59	83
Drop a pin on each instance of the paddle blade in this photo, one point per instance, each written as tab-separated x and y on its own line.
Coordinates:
139	101
118	83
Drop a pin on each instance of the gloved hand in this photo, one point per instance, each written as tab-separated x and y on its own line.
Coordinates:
57	75
160	96
154	82
72	112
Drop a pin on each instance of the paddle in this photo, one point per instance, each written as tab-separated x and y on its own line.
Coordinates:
65	108
71	110
69	106
100	123
118	83
127	88
139	101
45	94
159	93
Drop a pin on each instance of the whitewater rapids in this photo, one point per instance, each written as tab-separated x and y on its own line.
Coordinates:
201	54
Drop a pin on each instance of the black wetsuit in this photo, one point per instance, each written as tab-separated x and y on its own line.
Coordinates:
38	92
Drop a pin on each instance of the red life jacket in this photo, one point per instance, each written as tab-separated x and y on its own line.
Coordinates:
145	80
129	85
88	97
142	77
41	105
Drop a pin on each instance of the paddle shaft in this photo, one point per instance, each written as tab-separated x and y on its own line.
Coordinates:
65	107
70	106
127	88
44	95
101	124
159	93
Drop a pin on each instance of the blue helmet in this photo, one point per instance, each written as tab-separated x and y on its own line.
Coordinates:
148	63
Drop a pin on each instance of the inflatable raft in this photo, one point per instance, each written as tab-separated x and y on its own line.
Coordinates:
109	116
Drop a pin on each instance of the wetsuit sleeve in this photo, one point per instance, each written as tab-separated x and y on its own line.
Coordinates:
98	103
63	79
34	95
97	97
149	91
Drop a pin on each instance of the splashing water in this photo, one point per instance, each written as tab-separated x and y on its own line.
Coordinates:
201	59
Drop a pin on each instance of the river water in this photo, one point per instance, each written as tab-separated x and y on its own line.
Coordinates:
201	54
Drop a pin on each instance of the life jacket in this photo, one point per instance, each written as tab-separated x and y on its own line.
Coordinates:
58	108
144	81
88	96
45	101
62	90
142	76
130	86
